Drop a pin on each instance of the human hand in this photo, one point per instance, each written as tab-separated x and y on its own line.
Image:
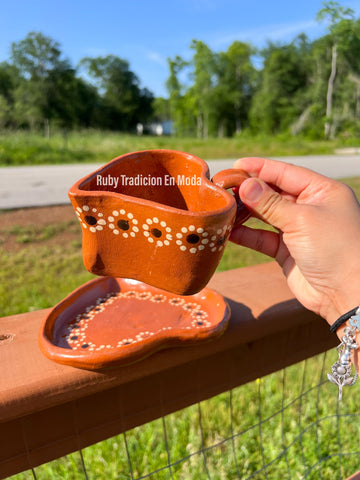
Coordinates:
317	242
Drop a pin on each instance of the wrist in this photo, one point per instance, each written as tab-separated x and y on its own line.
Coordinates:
352	315
341	305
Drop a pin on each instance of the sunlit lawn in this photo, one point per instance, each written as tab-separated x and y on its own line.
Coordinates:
23	148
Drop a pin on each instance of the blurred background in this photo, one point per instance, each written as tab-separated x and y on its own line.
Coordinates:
278	78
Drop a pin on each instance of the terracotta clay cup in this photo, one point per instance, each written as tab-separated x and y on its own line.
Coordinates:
156	217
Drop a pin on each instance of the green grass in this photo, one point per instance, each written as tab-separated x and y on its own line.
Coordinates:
290	439
35	233
24	148
34	278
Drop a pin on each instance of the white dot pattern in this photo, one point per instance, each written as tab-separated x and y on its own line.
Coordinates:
156	231
76	331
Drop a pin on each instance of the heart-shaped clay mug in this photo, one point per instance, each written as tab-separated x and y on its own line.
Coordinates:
156	217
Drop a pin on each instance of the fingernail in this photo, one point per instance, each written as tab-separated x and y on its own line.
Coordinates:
252	190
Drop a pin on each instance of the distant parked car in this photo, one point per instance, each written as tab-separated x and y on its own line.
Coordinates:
155	128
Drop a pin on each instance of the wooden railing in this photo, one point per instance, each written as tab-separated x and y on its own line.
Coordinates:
48	410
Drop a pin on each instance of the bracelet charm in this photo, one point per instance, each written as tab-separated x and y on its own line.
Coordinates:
341	370
355	320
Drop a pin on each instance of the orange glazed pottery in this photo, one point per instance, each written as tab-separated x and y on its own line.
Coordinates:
156	217
111	322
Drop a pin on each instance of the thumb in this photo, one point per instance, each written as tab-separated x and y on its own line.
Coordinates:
266	203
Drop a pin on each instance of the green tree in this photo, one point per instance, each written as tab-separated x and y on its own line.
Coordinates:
181	103
124	102
235	86
340	29
218	97
36	55
284	78
204	69
72	102
38	61
8	77
161	109
8	80
4	111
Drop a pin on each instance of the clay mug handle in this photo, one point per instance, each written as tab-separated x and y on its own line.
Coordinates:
233	178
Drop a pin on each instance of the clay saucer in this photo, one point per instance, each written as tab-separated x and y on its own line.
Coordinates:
114	321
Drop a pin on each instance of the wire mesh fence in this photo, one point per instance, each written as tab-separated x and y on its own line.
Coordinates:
287	425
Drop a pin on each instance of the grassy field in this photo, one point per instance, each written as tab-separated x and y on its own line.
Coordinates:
287	420
23	148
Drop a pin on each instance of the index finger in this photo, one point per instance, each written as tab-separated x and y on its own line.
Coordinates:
289	178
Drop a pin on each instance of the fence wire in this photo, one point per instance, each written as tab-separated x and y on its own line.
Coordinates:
288	425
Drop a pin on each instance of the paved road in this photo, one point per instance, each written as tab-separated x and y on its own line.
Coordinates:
48	185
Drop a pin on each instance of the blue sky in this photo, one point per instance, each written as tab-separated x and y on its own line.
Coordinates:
147	32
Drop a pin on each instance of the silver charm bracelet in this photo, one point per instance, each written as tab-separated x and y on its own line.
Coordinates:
341	370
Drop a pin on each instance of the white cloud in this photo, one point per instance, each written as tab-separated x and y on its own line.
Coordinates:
156	58
275	32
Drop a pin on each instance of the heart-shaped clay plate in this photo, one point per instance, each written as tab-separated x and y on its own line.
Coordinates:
114	321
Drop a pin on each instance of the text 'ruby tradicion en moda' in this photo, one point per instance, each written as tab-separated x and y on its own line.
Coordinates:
146	180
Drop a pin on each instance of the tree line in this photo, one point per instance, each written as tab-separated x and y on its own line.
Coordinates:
39	87
303	87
